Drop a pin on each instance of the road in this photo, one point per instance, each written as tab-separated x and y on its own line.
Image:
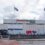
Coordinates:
22	42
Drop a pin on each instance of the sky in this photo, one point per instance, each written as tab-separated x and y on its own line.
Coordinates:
28	9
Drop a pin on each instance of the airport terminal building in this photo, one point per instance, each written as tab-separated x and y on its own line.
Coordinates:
23	29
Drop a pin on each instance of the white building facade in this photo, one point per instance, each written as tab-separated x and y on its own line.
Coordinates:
21	26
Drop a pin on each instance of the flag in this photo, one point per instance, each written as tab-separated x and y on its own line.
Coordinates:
15	9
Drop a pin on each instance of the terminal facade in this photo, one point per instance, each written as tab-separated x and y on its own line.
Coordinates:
23	29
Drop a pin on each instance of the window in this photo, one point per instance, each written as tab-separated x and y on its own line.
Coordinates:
15	29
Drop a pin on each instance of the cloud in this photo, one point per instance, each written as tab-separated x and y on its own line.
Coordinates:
29	9
33	9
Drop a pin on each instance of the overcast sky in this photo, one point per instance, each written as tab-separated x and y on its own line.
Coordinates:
28	9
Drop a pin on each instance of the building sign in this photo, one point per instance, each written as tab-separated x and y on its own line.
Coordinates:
32	21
